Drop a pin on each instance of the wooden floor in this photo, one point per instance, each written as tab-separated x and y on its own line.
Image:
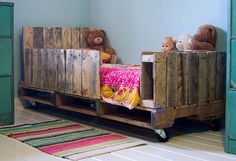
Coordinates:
186	144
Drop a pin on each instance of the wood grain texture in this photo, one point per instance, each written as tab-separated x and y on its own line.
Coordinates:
75	37
27	66
91	74
27	37
38	40
160	80
66	38
212	76
83	43
203	78
185	76
35	54
48	38
193	78
42	67
57	37
171	80
180	80
69	70
77	72
52	68
61	70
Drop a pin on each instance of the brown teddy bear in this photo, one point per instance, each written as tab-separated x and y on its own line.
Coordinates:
96	39
204	39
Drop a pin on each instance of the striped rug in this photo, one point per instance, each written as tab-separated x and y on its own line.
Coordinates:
67	139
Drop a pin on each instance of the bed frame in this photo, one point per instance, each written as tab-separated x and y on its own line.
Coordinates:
174	85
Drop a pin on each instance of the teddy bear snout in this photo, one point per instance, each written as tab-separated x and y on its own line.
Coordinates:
98	40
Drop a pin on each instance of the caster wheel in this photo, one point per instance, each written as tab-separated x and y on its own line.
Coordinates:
33	104
215	125
162	135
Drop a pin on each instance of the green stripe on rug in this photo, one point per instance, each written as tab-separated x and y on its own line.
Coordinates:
36	127
45	141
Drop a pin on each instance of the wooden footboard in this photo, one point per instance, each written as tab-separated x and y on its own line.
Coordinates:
178	79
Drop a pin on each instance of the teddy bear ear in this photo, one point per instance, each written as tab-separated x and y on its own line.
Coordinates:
104	32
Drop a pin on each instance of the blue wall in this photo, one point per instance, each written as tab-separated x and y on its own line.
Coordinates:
44	13
137	25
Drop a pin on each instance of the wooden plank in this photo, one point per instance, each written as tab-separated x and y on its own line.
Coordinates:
35	67
38	40
212	76
48	38
180	80
27	37
57	37
69	70
220	77
193	78
91	74
159	75
171	80
83	43
42	67
77	72
61	70
75	38
52	69
185	76
66	38
27	67
203	78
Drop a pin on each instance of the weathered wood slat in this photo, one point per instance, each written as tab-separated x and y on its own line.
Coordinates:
77	72
27	67
38	40
203	78
66	38
212	76
61	71
27	37
48	38
160	80
52	69
34	64
220	77
193	78
180	80
57	37
171	80
91	74
185	76
69	70
83	42
75	38
42	67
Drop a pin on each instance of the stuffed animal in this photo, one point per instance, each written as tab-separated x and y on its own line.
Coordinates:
96	39
204	39
168	44
182	42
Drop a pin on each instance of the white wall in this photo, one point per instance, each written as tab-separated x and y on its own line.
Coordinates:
44	13
137	25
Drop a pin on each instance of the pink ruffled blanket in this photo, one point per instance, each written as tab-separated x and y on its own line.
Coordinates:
120	84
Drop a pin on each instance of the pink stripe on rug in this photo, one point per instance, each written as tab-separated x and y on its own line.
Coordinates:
18	136
52	149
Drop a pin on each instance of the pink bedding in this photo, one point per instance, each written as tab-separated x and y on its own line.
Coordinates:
120	84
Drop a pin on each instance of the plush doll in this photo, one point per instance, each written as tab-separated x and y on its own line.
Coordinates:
182	42
96	39
168	44
204	39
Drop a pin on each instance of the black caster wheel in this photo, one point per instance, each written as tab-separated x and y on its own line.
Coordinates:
215	124
33	104
162	135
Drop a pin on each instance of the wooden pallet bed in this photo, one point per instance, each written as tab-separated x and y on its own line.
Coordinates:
175	85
